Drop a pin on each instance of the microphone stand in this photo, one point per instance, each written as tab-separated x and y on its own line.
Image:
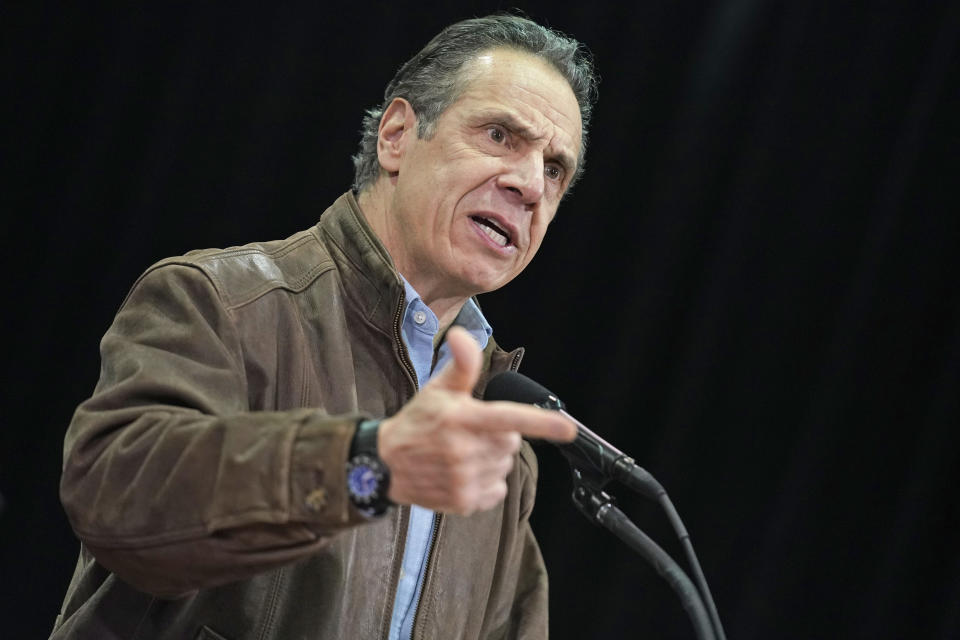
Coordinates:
599	508
594	463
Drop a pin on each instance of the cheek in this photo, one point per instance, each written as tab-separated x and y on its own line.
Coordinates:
536	239
469	171
537	233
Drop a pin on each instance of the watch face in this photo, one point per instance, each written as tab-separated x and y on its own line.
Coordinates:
363	481
368	481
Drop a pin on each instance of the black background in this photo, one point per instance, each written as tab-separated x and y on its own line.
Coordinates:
753	289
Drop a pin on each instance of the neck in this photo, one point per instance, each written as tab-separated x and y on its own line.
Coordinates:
374	203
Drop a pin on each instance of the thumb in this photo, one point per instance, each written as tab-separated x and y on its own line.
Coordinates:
463	370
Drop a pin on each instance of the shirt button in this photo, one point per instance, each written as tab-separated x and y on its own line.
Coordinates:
419	317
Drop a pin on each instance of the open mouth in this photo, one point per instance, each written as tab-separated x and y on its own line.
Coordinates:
494	232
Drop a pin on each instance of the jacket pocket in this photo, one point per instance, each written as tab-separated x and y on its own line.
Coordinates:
206	633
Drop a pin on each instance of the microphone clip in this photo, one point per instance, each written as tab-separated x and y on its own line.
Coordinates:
590	499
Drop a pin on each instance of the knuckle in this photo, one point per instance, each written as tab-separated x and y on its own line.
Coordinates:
496	494
459	477
462	502
456	455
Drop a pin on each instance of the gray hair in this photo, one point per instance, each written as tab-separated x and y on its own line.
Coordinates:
430	81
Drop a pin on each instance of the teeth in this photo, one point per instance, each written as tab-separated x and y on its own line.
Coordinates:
496	236
490	228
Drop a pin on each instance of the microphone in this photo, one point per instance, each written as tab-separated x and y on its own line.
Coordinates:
597	460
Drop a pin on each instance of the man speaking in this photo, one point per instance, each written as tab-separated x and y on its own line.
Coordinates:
286	441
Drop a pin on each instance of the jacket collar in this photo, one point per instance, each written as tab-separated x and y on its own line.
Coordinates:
372	282
369	276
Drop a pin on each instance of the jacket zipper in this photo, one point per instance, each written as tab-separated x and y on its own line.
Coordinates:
426	571
405	359
403	525
515	363
401	348
405	518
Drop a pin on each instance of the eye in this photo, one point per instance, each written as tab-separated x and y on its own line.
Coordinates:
553	172
497	134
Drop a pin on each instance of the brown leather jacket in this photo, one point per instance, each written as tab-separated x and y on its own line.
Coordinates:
205	476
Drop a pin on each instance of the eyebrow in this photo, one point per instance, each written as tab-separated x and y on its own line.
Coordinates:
518	127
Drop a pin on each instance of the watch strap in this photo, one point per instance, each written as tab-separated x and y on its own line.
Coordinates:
365	438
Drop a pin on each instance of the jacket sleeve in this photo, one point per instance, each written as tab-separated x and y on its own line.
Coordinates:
168	478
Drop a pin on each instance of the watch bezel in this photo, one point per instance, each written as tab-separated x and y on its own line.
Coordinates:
374	466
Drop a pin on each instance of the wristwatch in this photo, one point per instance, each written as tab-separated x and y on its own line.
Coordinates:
368	478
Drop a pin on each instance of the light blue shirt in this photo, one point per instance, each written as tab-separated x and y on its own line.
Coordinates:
419	327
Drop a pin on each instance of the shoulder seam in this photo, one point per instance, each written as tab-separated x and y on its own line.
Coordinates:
236	296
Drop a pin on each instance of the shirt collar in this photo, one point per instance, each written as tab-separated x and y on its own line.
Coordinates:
470	316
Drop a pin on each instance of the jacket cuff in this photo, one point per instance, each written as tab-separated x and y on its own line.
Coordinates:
318	477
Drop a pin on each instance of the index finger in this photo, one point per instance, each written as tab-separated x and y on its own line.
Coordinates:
534	422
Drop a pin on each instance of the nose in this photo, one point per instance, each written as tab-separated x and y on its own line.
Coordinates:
523	176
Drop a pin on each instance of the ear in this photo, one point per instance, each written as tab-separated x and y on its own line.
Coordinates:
397	126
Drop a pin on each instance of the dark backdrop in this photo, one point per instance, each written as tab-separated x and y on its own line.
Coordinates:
753	290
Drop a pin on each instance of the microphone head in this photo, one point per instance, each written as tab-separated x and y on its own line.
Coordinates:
517	387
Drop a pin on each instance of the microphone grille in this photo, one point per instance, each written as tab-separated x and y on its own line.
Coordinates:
516	387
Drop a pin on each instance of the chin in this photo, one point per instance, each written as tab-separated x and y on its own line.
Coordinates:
486	285
483	278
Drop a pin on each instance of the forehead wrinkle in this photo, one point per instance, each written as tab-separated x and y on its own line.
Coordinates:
567	128
554	113
544	103
559	120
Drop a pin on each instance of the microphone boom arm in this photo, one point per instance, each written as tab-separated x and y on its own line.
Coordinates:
599	508
594	463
